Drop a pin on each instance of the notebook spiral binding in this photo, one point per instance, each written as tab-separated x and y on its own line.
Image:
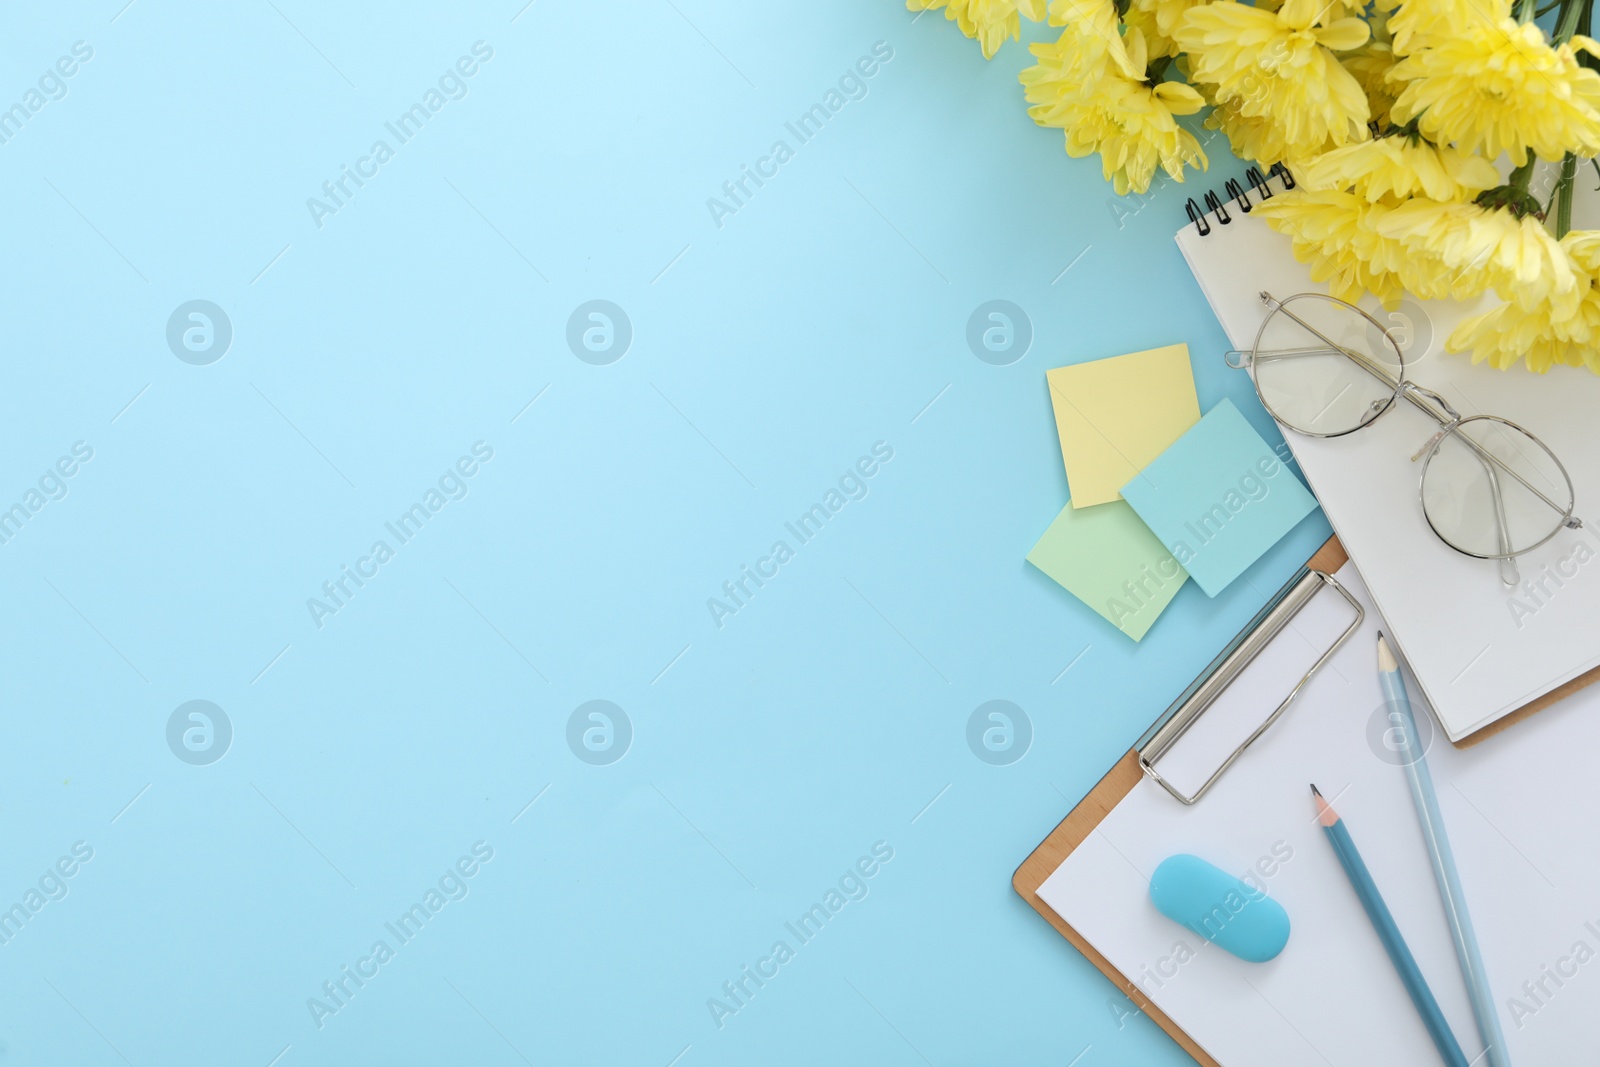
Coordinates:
1217	206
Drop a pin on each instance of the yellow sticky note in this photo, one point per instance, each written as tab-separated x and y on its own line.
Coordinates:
1117	415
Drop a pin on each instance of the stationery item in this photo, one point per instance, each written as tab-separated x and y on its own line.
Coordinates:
1234	710
1490	489
1221	908
1218	498
1330	997
1107	558
1410	751
1478	650
1116	415
1262	187
1355	868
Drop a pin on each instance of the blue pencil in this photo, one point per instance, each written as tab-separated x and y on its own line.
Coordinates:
1444	860
1400	955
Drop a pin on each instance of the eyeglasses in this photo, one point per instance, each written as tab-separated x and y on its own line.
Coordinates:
1489	488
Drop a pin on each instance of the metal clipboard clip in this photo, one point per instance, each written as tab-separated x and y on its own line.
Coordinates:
1228	665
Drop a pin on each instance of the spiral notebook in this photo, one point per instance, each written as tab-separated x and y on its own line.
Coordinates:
1480	651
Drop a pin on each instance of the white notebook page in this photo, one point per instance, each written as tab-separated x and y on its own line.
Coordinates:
1480	650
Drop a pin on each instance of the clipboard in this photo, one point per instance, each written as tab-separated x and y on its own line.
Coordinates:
1120	780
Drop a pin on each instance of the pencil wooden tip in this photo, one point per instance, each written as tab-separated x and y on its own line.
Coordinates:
1325	813
1386	660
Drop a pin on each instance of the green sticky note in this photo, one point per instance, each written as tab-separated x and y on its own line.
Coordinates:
1107	557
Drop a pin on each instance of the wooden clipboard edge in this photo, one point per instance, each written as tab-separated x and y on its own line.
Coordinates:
1053	852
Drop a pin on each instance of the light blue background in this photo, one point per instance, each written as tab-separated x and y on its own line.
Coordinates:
768	755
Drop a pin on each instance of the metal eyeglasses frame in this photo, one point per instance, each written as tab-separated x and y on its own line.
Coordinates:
1429	403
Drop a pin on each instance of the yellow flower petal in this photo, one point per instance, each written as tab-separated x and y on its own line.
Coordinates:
1158	20
1180	99
1097	93
990	22
1420	23
1261	65
1397	167
1542	336
1499	87
1332	232
1343	35
1459	250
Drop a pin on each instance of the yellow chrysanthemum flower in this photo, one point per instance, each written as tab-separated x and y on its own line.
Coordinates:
1065	74
1104	108
1459	250
1333	232
1137	132
1280	67
1511	334
1141	16
1158	21
1370	64
1075	12
1500	88
1259	139
1419	23
990	22
1097	32
1398	167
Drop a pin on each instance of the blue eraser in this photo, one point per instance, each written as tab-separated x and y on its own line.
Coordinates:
1220	908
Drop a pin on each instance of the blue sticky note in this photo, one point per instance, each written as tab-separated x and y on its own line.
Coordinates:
1219	498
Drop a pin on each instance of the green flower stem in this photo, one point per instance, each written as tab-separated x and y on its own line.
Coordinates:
1569	171
1157	70
1567	23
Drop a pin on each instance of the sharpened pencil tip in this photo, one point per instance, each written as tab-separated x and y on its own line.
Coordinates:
1386	660
1325	813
